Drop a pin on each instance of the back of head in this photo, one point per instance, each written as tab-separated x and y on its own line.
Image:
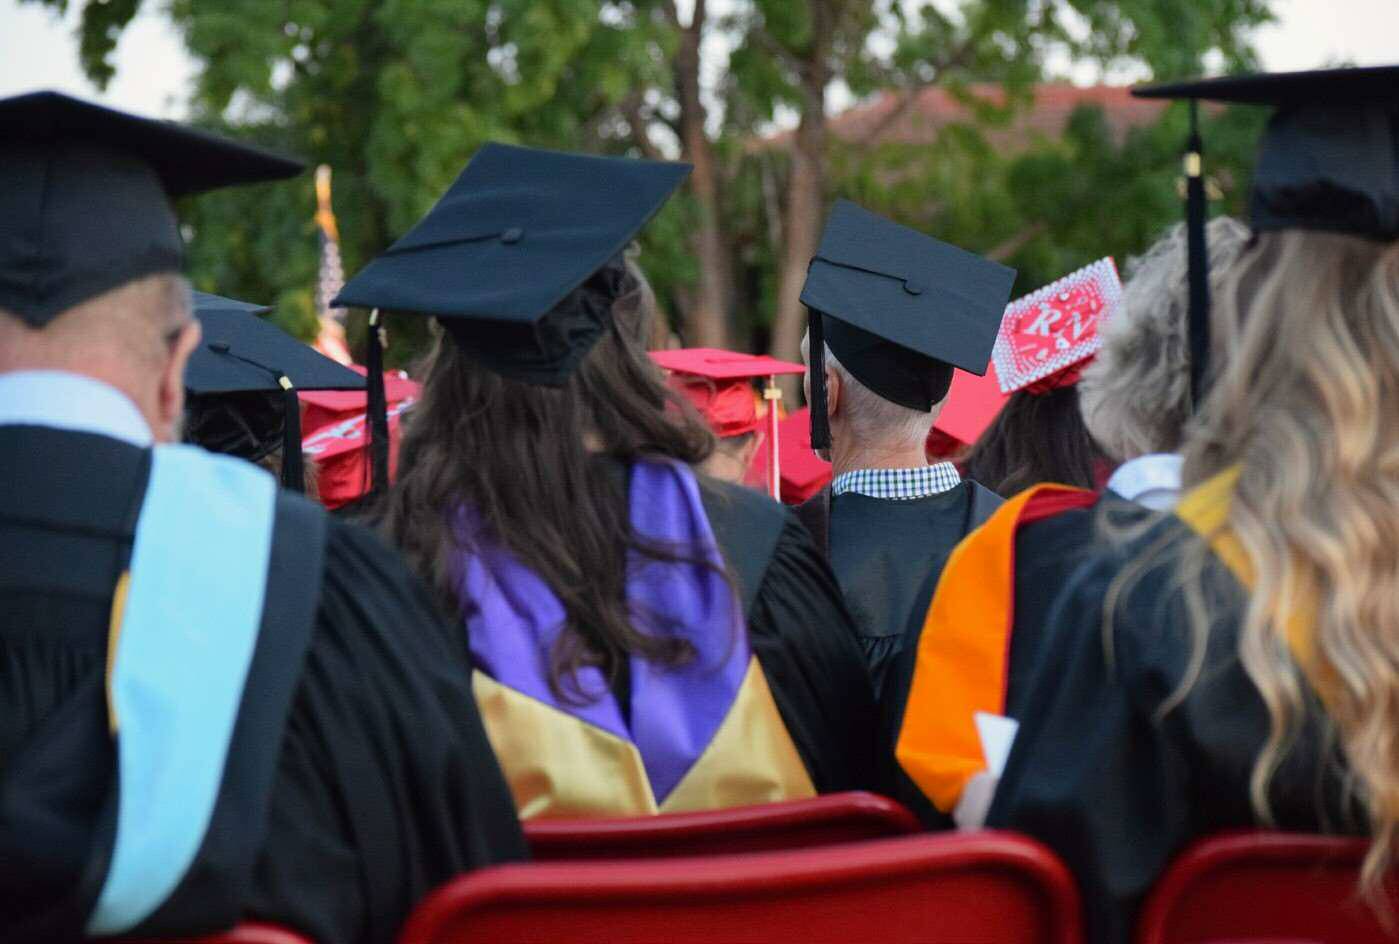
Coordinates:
1304	406
530	461
1037	437
1135	395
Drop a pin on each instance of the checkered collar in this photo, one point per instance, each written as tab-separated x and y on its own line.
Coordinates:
898	484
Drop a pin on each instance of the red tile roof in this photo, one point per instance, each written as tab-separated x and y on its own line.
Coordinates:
887	115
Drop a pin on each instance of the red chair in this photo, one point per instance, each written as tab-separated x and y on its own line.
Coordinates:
796	824
1251	888
933	889
250	933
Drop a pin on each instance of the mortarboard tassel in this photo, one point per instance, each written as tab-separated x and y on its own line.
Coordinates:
293	463
1196	211
377	408
816	350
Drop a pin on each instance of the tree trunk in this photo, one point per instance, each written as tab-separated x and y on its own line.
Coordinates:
707	320
805	198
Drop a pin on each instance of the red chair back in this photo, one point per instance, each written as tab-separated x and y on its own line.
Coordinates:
1251	888
796	824
250	933
933	889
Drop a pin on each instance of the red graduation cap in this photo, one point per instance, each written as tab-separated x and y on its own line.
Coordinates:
719	384
803	472
1048	336
336	435
972	405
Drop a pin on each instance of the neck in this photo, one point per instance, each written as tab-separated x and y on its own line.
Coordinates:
848	456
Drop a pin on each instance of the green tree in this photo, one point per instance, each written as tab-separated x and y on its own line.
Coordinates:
396	94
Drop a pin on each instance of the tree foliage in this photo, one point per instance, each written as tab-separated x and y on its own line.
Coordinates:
396	95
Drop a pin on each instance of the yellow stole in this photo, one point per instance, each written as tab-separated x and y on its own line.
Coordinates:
1205	509
558	765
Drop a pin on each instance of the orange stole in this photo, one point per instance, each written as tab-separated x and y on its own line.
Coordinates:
560	766
965	647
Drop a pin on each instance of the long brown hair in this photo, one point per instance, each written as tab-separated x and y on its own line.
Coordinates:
530	462
1035	438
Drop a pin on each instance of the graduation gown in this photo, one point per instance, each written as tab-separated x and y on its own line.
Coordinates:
782	712
379	786
1110	784
887	555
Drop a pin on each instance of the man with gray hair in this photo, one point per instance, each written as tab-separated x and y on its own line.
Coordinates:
892	313
215	701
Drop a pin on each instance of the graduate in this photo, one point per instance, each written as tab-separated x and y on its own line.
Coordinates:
1234	664
986	622
242	384
719	385
1046	340
892	312
646	639
216	704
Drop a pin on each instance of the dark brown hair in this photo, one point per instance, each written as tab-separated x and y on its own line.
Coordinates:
531	462
1034	439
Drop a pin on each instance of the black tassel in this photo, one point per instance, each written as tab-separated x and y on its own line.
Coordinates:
293	463
816	370
377	409
1196	211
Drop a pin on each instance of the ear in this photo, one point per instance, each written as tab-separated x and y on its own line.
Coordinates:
750	448
833	392
171	403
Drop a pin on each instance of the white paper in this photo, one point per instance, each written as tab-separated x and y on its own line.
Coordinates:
997	734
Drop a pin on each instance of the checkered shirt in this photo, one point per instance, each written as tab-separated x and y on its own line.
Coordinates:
898	484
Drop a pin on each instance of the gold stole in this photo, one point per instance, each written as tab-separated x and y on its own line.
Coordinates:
560	766
1205	509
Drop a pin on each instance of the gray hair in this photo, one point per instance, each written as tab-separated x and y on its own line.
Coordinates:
1135	395
873	420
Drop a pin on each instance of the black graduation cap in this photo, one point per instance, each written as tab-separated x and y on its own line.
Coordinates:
899	310
85	197
1329	160
519	259
242	380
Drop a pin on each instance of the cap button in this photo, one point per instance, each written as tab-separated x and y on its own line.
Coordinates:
512	235
913	287
218	347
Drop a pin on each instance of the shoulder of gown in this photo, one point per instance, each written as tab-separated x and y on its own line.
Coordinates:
386	784
1116	766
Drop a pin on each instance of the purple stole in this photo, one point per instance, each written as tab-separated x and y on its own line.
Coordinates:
694	728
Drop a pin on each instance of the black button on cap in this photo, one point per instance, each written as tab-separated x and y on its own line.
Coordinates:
511	235
913	287
218	347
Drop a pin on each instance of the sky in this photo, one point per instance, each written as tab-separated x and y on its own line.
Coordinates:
38	49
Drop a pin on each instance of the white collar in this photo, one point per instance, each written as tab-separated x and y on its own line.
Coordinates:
63	400
1152	480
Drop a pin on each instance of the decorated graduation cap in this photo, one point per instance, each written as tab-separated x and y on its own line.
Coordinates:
520	260
85	197
1048	336
719	385
898	309
243	380
1329	160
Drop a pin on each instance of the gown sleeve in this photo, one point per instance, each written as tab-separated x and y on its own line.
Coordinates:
386	784
1092	774
806	643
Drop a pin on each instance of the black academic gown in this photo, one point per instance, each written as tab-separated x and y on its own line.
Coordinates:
802	635
1117	790
887	555
383	787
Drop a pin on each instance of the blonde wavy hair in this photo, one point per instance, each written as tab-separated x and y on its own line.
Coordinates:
1306	403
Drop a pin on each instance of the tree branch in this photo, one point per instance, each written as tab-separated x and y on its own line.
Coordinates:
637	121
1017	242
